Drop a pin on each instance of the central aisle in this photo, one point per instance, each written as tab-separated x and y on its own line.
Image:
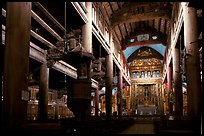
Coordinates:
139	128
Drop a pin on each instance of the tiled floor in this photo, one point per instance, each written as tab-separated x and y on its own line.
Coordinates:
139	129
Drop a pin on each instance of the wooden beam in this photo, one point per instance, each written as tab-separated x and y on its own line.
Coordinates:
146	43
94	83
105	14
122	36
111	7
114	5
127	18
65	68
35	35
119	6
3	12
161	38
47	27
101	40
125	29
131	29
37	53
165	26
134	5
162	25
115	35
49	16
159	25
41	39
81	12
131	10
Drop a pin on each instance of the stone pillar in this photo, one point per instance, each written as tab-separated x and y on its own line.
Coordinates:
119	95
16	64
96	102
43	92
192	62
169	80
109	82
177	83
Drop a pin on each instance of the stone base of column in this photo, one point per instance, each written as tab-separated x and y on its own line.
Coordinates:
79	98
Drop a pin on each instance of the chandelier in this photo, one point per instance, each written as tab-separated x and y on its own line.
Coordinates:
62	49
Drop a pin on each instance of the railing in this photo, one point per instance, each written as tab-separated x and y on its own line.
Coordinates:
140	117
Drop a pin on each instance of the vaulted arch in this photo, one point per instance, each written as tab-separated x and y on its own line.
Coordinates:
144	53
149	35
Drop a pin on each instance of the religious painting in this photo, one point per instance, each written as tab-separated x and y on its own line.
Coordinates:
82	74
143	37
142	74
158	73
148	74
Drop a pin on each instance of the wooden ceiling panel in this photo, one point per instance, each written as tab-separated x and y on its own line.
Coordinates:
133	25
126	32
128	28
114	5
107	8
162	25
137	25
128	17
156	24
167	27
151	23
120	4
123	32
118	33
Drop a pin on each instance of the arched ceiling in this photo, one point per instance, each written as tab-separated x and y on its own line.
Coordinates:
145	52
127	19
130	50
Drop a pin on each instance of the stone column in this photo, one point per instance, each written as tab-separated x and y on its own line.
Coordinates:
16	63
177	83
43	92
119	95
109	82
192	62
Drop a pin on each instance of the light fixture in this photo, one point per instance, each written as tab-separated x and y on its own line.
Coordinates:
132	40
154	37
62	49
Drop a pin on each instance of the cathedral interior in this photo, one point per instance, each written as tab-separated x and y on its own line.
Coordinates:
101	68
